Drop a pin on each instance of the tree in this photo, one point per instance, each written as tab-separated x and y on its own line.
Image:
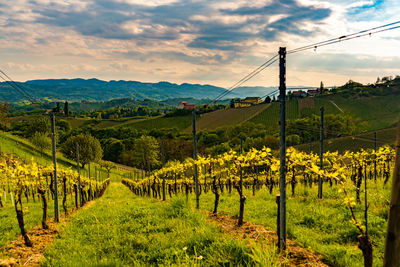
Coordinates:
41	141
108	165
4	119
89	148
66	108
57	108
267	99
321	88
113	149
144	153
41	125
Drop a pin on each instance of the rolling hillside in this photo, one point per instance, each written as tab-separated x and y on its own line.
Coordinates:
98	90
228	117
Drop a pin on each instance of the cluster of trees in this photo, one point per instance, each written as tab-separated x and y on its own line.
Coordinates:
119	112
382	87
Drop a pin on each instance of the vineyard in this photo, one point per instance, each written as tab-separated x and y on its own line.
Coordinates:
27	185
355	194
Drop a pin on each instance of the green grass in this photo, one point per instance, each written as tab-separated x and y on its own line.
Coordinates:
319	225
124	230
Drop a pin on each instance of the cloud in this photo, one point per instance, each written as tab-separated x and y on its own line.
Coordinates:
210	27
212	40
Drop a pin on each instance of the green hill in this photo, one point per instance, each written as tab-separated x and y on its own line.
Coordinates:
228	117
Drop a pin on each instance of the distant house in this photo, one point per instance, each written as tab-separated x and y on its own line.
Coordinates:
49	111
247	102
299	93
253	100
313	92
184	105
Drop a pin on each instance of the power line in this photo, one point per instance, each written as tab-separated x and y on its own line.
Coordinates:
247	77
359	34
16	86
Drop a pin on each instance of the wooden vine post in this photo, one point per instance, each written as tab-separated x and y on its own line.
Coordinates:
392	247
282	170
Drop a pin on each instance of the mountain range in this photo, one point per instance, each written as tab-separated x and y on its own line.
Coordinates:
98	90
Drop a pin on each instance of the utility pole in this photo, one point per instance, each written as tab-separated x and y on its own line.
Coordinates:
375	172
79	175
196	180
163	163
321	152
241	171
53	139
282	171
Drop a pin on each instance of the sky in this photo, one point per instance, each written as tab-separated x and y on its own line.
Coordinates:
200	41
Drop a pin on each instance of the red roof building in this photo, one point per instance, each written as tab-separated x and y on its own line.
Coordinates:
184	105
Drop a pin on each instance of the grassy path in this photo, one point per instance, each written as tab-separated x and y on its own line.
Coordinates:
122	229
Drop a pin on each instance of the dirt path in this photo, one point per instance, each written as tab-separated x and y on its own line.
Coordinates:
31	256
294	256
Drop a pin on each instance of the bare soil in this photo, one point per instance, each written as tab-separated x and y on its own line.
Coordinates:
295	255
19	254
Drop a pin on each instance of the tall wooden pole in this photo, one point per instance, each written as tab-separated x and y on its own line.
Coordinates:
321	152
163	163
53	139
392	247
196	180
79	176
282	179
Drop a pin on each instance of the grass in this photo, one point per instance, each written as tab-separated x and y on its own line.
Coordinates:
125	230
320	225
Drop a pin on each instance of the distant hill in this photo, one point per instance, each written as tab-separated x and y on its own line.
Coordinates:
98	90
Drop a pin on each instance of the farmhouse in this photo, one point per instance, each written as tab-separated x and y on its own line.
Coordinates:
247	102
184	105
253	100
313	92
299	93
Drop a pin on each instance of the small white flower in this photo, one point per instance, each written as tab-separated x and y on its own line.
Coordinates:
200	257
185	248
